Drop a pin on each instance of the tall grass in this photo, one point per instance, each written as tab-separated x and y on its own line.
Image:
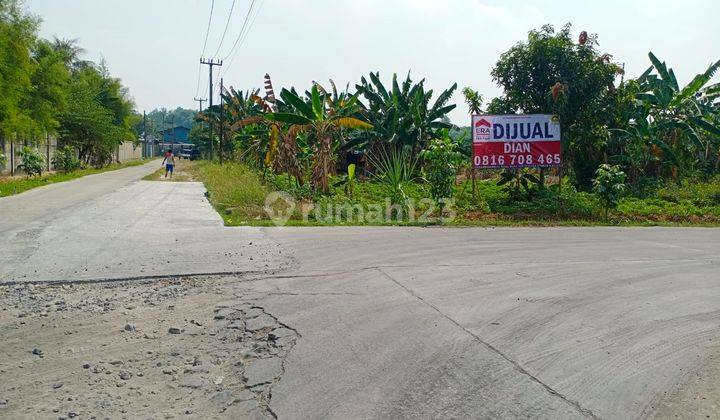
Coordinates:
234	190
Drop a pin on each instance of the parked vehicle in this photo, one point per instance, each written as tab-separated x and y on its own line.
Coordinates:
191	154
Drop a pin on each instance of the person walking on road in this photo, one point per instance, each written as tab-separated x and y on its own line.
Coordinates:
169	163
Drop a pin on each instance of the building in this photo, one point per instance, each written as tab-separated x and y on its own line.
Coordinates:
175	138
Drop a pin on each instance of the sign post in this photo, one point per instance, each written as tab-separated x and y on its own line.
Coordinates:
516	141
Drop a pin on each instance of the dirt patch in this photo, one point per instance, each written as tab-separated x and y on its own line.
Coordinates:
184	171
162	349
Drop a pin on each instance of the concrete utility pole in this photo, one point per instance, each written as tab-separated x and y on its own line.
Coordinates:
212	63
222	121
201	101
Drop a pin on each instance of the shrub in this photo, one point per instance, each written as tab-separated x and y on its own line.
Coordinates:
3	160
395	171
65	159
441	165
609	185
699	193
31	162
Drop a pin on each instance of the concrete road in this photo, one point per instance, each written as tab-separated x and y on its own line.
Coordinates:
412	322
113	225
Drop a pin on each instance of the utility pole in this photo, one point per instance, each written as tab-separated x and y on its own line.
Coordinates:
212	63
222	121
145	145
201	101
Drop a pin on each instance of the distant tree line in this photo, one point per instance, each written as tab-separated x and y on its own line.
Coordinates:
161	119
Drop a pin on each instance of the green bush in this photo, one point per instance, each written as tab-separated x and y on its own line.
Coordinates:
3	161
441	164
31	162
65	159
694	191
609	185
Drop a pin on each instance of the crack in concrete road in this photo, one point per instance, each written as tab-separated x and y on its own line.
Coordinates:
574	404
136	278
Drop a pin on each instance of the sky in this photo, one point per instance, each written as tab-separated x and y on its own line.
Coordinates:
154	46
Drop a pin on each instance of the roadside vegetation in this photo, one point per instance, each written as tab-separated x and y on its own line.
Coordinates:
641	150
48	90
22	183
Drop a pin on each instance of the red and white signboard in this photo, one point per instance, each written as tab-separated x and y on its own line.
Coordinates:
516	141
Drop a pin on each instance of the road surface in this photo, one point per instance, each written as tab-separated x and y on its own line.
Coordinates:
128	298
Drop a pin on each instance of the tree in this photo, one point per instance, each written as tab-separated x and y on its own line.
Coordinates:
549	73
50	81
17	37
473	99
98	117
322	118
672	130
402	115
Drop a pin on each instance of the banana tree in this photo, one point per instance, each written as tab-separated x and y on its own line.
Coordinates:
401	115
677	126
322	119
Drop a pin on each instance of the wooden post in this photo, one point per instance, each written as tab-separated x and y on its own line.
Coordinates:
12	157
47	151
472	176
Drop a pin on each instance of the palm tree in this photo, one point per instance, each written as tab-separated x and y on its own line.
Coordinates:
322	117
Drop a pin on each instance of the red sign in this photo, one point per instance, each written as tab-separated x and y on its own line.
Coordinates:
516	141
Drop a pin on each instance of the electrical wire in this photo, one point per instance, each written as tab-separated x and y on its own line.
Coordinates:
227	24
242	29
243	35
207	35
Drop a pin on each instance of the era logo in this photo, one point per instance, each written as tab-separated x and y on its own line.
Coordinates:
483	129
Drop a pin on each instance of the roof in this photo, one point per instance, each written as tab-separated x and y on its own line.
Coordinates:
177	134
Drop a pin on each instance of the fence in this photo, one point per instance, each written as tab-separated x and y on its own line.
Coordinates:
11	150
125	152
128	151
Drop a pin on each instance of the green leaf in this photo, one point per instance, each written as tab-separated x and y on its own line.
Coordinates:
293	99
697	83
375	77
289	118
444	97
317	105
660	67
707	126
438	113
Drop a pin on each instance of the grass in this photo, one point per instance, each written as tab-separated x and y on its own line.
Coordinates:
238	193
18	184
235	191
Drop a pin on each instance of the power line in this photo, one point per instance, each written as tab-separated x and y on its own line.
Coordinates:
227	24
239	42
207	35
242	29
